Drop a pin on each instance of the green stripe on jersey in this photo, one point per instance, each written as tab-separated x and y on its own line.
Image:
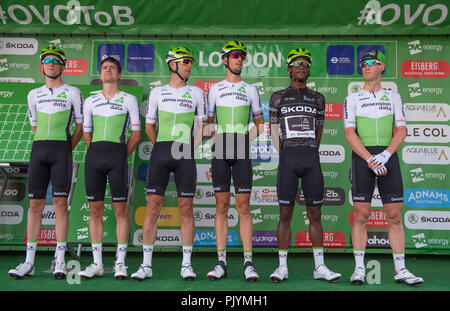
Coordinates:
375	131
175	126
52	126
108	128
232	119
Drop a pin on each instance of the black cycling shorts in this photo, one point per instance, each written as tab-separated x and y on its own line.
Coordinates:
106	160
363	179
50	160
162	163
300	162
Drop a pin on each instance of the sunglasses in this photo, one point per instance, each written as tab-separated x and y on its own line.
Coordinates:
54	61
300	63
186	61
237	54
370	62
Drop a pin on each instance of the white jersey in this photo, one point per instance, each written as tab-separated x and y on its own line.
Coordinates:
53	110
109	119
232	103
374	114
175	109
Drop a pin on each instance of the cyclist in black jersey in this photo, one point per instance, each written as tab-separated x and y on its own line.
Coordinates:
51	108
296	118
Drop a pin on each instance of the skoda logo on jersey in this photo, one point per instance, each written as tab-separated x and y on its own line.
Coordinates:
294	109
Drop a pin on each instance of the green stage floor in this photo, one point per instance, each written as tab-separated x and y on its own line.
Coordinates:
435	269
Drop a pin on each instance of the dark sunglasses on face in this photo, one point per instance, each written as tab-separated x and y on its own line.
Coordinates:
300	63
54	61
237	54
370	62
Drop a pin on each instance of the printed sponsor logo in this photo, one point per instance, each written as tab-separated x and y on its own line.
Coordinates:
261	171
377	219
205	195
426	154
431	198
334	111
325	90
207	238
418	175
377	240
14	192
340	60
66	46
205	85
331	153
374	13
415	47
427	220
5	65
145	150
421	240
263	152
431	112
141	58
257	59
82	233
425	69
169	216
325	218
331	239
264	196
165	237
75	67
416	90
331	196
376	199
111	50
18	46
265	238
18	80
205	217
11	214
47	237
423	133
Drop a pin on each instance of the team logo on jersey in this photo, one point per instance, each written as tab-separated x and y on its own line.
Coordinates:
242	89
120	100
62	95
187	95
384	98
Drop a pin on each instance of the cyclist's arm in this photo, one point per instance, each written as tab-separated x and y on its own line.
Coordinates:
258	128
274	128
31	101
135	124
150	130
87	122
356	144
133	141
76	135
76	98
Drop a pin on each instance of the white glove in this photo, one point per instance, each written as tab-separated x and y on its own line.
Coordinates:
380	171
381	158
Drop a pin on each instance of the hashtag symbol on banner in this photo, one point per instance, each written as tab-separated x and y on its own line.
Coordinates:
370	10
2	15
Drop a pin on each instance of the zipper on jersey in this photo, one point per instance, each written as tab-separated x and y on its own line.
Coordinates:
106	126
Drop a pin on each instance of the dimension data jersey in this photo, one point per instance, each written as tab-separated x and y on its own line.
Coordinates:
232	103
109	119
175	109
52	111
299	112
374	114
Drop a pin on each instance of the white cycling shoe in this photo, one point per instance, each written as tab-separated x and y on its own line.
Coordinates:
408	278
280	274
250	272
219	271
144	272
120	271
22	270
323	273
358	276
187	273
94	270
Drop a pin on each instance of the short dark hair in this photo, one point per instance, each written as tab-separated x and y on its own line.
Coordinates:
111	60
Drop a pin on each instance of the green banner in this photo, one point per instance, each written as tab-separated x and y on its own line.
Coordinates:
203	17
417	68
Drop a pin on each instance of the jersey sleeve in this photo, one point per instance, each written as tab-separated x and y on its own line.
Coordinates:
201	106
255	102
349	112
32	102
273	108
76	98
151	115
212	101
133	113
399	115
87	115
320	118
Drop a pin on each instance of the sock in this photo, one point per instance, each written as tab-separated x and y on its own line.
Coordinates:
318	256
60	251
222	255
187	252
31	251
399	261
282	255
121	252
97	252
248	256
148	253
359	258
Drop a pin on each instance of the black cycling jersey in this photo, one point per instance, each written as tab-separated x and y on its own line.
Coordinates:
299	112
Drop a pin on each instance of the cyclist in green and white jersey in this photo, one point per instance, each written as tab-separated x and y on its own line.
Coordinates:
107	116
174	108
369	118
232	102
51	109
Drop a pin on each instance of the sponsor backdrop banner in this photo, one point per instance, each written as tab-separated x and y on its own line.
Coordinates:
417	68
